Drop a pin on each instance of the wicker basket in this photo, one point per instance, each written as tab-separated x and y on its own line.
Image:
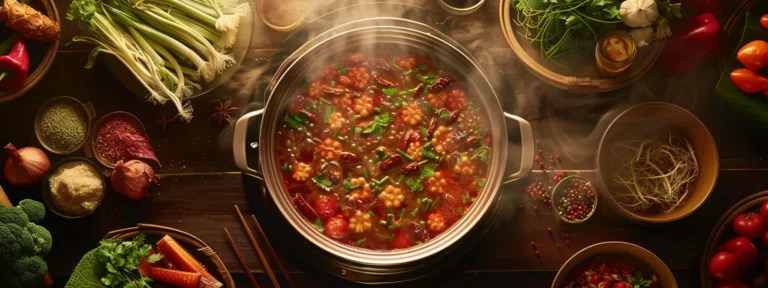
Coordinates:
723	231
587	79
194	245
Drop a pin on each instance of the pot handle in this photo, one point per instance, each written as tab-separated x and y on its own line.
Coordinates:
239	146
527	144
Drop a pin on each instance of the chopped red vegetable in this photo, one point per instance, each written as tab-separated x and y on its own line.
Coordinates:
174	277
144	266
693	42
186	261
14	67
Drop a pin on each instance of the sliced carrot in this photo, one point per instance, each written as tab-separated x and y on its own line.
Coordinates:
187	262
144	266
175	277
167	262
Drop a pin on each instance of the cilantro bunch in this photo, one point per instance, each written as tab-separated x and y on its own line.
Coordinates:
115	263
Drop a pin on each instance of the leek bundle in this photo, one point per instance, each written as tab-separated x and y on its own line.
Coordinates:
171	46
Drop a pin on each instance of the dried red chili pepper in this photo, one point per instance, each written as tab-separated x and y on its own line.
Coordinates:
381	64
311	116
297	103
432	128
349	157
410	168
440	83
472	140
391	162
454	116
406	140
381	81
338	91
304	207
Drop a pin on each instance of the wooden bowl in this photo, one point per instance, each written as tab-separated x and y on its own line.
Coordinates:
199	249
460	11
632	251
46	187
656	118
723	231
576	77
88	109
92	141
48	8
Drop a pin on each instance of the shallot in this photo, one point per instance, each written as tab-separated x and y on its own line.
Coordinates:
133	178
25	166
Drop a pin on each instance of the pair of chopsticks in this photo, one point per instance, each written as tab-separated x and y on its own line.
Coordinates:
258	251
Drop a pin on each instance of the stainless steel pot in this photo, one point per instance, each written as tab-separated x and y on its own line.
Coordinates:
366	34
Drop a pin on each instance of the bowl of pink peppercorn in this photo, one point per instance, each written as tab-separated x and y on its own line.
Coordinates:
574	199
119	136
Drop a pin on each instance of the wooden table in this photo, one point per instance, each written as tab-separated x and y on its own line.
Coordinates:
200	183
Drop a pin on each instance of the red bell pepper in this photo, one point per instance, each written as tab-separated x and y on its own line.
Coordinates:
693	42
703	6
14	67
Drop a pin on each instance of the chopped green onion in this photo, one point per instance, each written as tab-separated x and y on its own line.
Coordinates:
319	225
408	72
405	155
326	101
327	115
361	241
333	83
389	91
400	179
365	174
402	213
383	223
370	212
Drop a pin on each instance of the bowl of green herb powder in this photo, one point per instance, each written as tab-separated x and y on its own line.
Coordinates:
62	124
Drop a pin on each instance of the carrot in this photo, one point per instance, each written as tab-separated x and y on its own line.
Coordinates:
175	277
167	260
29	22
187	262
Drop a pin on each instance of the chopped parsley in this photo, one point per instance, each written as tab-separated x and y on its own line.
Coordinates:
319	225
464	198
378	124
323	182
445	114
480	182
484	154
358	129
414	185
429	153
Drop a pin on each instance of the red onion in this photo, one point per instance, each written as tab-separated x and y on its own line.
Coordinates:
132	178
25	166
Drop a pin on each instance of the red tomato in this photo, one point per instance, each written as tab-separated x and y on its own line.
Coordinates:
764	21
764	240
743	249
731	284
338	228
724	266
403	239
764	210
749	225
326	207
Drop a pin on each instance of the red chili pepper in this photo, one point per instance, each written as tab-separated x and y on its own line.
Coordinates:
754	55
703	6
14	66
749	81
693	42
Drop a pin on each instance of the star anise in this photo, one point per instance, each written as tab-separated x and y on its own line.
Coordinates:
223	111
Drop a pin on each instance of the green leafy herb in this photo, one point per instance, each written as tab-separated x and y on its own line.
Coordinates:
637	280
121	260
293	122
380	122
480	182
484	154
358	129
427	79
427	172
319	225
311	105
445	114
464	198
414	185
342	71
424	132
429	153
414	212
322	181
389	91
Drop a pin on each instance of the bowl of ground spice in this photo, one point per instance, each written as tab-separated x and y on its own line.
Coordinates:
62	124
120	136
74	187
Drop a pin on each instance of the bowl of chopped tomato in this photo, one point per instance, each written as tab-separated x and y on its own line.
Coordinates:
614	264
383	143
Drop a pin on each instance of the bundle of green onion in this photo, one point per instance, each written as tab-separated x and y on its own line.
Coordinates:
170	46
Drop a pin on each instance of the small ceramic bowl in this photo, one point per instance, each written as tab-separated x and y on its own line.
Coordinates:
87	108
460	10
46	187
265	9
105	118
617	249
557	193
651	120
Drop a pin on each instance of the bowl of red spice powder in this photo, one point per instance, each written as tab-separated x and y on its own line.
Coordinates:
120	136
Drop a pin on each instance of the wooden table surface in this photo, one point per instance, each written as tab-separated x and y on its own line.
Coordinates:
200	183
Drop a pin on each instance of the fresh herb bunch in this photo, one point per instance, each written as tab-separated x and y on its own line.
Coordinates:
122	259
565	27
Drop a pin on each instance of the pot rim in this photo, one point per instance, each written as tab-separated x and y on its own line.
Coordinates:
390	257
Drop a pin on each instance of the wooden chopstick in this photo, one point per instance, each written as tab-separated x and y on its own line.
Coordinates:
258	249
272	252
240	257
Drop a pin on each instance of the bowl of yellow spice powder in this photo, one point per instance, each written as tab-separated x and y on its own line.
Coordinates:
62	124
74	187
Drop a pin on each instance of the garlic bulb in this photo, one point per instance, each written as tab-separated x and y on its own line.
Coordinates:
639	13
642	36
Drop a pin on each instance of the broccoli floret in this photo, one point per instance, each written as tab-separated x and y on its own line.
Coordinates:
13	215
15	242
42	239
35	210
23	272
